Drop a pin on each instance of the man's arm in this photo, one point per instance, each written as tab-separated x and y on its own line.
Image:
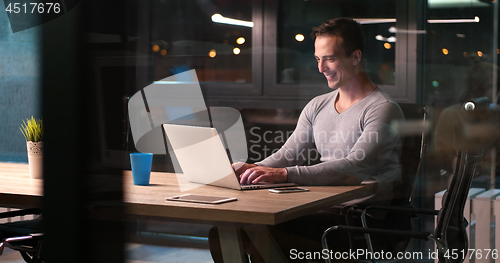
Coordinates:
370	157
272	168
377	160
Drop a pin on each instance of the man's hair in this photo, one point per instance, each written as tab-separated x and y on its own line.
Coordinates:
349	31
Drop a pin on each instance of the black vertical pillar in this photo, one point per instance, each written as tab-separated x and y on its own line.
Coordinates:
63	159
74	180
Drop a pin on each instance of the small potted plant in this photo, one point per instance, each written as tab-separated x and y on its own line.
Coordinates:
32	129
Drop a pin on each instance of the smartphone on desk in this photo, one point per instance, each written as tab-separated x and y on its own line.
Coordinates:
288	190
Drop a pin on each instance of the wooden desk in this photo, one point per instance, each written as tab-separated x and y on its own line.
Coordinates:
17	189
253	209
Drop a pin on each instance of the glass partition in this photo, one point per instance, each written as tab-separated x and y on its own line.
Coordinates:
460	64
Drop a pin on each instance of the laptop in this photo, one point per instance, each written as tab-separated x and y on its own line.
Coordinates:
203	157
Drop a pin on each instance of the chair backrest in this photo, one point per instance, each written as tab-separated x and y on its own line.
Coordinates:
450	228
412	152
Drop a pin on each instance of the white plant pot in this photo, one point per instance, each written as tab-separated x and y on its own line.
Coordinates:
35	159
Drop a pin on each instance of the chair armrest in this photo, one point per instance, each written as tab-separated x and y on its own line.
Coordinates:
5	243
406	233
402	209
22	212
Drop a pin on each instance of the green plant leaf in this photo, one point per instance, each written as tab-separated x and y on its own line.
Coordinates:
32	129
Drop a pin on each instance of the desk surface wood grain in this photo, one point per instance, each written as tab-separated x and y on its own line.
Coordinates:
253	206
17	189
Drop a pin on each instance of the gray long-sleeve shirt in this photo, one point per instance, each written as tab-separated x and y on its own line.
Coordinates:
357	145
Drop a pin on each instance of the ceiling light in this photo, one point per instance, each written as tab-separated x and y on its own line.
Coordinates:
397	30
449	21
375	20
456	3
218	18
385	39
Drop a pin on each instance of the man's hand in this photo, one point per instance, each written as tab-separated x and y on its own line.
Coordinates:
253	174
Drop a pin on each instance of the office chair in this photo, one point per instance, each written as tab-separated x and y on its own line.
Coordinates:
450	230
412	156
449	234
24	236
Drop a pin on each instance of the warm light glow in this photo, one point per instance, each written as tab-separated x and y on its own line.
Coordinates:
218	18
299	37
240	40
387	45
498	51
480	54
156	48
163	52
212	53
466	54
445	51
236	51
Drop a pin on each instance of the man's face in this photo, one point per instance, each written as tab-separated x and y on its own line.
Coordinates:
333	62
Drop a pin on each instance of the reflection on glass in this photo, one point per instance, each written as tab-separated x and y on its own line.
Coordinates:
460	65
192	39
459	52
295	58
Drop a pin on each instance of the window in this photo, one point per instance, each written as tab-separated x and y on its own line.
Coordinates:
290	69
217	38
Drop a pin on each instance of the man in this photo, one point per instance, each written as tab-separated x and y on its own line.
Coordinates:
349	127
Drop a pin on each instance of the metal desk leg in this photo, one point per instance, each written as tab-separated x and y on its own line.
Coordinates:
266	245
231	244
